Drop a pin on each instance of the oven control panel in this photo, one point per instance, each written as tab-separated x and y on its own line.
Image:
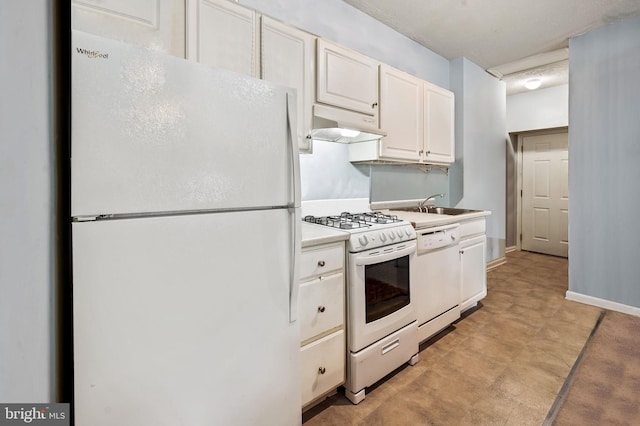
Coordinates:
360	241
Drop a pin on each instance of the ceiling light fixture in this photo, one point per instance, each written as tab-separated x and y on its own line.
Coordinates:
533	84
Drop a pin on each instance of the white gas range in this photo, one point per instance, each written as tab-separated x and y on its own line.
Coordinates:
381	320
368	229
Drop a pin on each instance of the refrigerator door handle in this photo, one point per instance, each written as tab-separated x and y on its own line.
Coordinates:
293	146
294	206
296	243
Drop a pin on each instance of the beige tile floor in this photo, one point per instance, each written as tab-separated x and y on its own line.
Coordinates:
503	363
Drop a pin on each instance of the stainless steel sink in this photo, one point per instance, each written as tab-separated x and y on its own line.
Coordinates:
451	211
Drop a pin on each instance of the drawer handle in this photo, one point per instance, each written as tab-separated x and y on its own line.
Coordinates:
321	263
391	346
321	308
322	370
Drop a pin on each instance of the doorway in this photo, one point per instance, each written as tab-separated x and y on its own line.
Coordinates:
543	207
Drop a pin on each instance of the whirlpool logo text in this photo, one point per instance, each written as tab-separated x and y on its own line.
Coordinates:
92	54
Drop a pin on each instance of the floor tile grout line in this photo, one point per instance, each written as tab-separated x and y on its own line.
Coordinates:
562	395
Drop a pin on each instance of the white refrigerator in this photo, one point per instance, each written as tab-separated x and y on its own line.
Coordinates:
185	239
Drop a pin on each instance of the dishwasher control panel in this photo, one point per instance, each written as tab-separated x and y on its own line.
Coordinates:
437	237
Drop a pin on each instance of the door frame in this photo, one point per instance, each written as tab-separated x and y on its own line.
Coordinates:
519	177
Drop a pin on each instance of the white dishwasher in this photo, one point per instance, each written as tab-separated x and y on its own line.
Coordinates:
436	287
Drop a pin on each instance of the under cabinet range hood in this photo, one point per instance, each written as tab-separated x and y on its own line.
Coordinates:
338	125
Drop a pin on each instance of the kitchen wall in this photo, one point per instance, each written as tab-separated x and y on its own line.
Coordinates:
477	178
26	207
538	109
604	150
327	172
27	175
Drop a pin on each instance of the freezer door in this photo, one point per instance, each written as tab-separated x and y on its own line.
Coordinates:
184	320
156	133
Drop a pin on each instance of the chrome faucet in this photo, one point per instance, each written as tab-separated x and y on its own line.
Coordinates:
423	204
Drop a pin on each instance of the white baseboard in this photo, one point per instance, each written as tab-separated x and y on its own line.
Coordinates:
602	303
510	249
496	262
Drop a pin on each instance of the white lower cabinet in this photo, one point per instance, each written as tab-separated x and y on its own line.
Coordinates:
322	362
321	310
473	267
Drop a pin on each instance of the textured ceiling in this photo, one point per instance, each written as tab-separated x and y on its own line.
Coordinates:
492	33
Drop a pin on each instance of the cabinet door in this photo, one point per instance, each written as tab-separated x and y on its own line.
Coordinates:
473	271
288	58
223	34
322	366
155	24
401	114
346	79
439	142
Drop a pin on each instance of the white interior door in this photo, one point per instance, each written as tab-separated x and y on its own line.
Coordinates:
545	194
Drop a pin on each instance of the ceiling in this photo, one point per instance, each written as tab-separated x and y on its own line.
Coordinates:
527	39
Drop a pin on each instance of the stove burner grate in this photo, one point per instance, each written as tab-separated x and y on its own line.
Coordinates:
348	220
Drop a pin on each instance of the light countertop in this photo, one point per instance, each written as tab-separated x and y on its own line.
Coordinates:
423	220
313	235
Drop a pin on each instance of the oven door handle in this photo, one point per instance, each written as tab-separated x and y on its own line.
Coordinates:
384	254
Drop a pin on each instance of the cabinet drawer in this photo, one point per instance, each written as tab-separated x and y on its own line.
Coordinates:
323	366
472	227
321	305
321	261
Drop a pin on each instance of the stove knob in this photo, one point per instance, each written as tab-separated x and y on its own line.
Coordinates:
363	240
392	235
383	237
408	232
400	234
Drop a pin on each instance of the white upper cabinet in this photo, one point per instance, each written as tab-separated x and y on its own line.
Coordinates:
419	120
439	139
346	79
401	114
155	24
223	34
288	59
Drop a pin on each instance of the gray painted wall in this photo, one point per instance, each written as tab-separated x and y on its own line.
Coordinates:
538	109
604	148
26	203
327	172
478	176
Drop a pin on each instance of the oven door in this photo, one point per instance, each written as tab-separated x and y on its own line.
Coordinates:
379	293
